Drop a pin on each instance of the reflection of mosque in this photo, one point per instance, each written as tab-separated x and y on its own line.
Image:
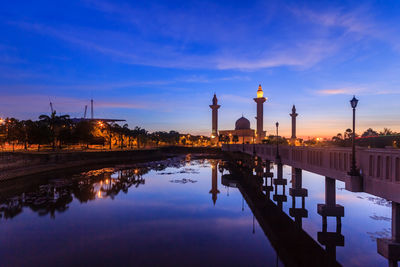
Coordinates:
53	196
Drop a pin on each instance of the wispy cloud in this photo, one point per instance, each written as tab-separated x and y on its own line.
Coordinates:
160	36
16	105
225	46
81	86
361	89
234	98
297	54
356	24
338	91
355	21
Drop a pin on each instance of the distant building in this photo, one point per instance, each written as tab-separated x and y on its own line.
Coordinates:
242	132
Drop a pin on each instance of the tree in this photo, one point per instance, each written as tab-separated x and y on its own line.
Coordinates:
348	134
14	132
369	132
83	132
386	131
140	135
38	133
235	139
56	125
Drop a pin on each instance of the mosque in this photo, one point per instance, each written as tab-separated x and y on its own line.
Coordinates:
242	132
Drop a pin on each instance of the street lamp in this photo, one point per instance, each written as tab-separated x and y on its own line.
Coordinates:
277	141
254	147
353	170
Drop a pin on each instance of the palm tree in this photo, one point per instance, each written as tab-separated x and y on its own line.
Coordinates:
56	125
140	135
369	132
386	131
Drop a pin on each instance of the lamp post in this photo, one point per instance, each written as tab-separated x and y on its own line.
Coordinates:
354	171
277	141
254	147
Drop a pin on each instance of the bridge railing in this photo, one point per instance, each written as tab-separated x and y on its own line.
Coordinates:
379	164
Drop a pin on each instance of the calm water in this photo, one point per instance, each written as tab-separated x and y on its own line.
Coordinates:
171	213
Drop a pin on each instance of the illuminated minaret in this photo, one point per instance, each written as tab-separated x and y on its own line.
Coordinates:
214	132
293	115
260	113
214	181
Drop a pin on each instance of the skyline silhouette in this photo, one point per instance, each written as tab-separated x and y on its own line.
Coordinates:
158	64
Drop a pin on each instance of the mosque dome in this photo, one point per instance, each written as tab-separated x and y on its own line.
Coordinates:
242	124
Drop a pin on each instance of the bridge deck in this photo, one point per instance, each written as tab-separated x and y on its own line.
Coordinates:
380	168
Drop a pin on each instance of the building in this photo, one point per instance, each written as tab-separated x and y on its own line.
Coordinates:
214	131
260	99
242	133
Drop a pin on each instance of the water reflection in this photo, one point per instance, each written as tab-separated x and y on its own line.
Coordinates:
145	208
293	246
248	177
298	191
214	181
56	195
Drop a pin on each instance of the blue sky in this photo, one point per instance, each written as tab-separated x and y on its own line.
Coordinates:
158	63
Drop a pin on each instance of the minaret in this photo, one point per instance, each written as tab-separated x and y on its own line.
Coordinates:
214	132
293	115
260	113
214	182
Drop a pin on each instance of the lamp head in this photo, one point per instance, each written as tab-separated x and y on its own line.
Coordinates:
354	102
260	92
277	124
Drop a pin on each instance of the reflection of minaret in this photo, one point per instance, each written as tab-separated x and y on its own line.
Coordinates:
214	181
260	99
298	191
280	198
293	115
214	132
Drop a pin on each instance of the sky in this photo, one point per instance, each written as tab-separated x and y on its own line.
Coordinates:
157	64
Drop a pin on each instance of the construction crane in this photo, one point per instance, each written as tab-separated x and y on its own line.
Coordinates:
51	107
91	109
92	118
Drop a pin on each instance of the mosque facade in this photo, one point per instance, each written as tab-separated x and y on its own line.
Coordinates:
242	133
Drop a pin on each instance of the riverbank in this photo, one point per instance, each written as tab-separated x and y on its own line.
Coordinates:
19	164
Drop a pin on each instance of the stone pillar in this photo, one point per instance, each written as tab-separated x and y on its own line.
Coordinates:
298	191
390	248
331	240
268	187
330	208
293	115
396	221
214	131
280	198
260	99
